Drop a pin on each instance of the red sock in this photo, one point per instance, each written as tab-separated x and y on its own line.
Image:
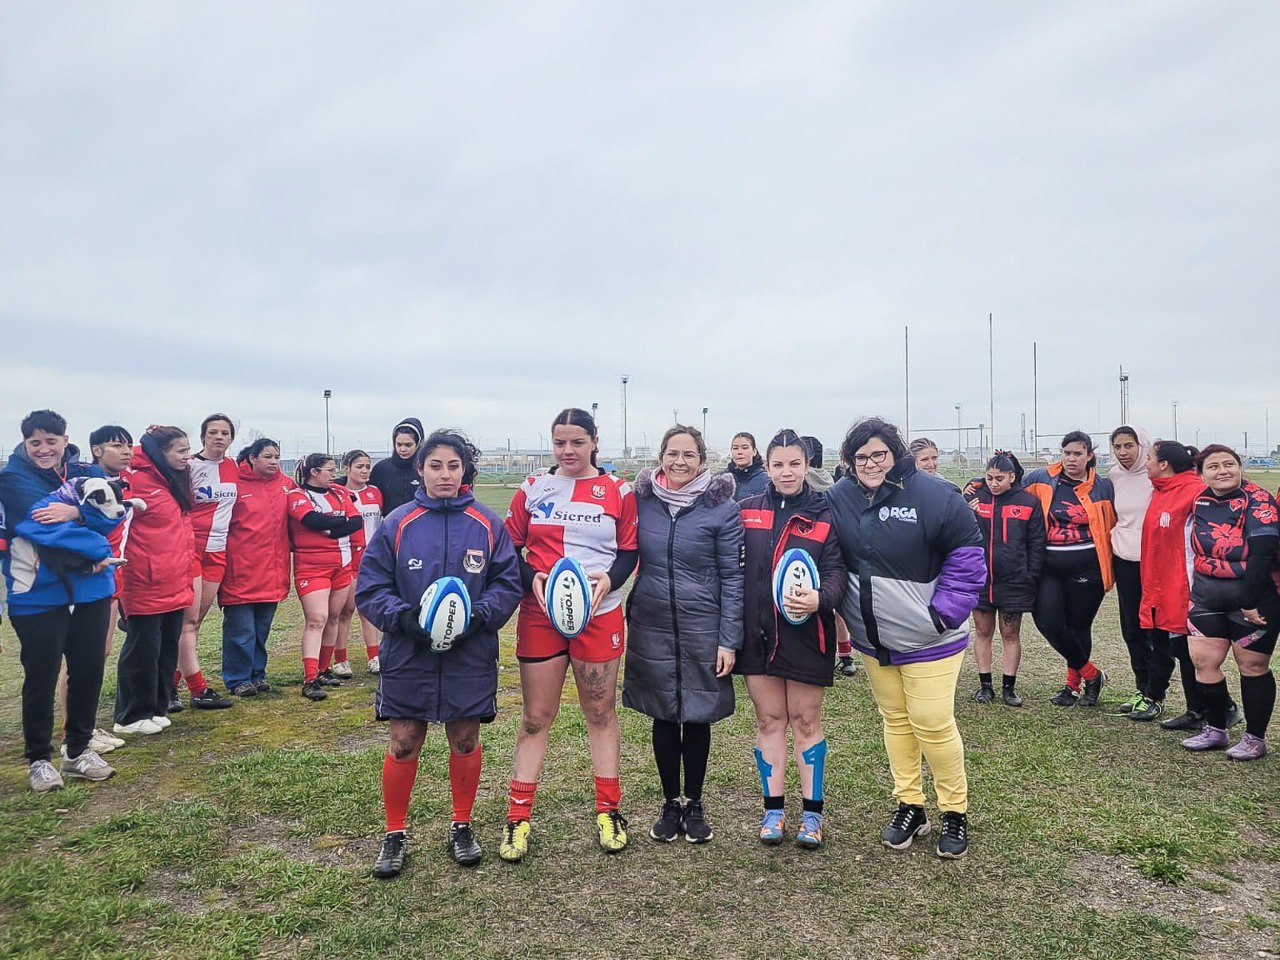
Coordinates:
397	786
520	800
1089	671
196	684
844	648
464	778
370	652
310	668
339	654
177	678
1073	678
326	655
608	794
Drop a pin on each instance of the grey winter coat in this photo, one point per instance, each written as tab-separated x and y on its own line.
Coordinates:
685	604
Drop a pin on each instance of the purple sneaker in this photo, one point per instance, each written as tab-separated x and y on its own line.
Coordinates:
1210	738
1249	748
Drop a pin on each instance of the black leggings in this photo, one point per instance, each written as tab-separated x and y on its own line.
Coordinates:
1142	652
144	672
1067	602
673	742
80	635
1166	650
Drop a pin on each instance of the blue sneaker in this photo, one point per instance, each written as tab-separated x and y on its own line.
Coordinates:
773	827
809	835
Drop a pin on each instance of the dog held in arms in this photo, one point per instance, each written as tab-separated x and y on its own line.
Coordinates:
88	493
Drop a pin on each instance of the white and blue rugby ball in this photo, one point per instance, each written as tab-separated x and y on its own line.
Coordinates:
568	597
795	571
445	612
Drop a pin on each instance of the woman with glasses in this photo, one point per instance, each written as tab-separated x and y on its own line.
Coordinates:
684	621
915	567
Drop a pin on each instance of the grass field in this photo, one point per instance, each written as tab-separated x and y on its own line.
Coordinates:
251	832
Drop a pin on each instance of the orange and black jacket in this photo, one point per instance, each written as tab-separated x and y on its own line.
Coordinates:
771	644
1096	495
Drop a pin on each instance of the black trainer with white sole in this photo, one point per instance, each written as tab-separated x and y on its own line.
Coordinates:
907	824
395	847
953	838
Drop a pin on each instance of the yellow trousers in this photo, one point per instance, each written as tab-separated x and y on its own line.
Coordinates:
917	702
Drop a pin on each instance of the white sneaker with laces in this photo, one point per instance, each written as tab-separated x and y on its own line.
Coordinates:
43	777
138	726
342	669
104	737
374	665
164	723
87	766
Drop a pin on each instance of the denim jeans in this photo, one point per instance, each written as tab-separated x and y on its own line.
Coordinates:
245	627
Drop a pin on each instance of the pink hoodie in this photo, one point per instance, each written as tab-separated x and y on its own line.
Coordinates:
1133	493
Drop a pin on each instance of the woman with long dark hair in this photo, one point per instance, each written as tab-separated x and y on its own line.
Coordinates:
575	510
746	466
156	588
395	477
684	621
1079	512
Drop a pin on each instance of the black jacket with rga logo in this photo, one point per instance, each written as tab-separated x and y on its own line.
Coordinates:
771	644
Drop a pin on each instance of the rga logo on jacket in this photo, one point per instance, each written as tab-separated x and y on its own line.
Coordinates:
905	514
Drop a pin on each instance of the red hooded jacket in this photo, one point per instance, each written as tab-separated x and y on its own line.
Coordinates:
157	578
1166	580
257	541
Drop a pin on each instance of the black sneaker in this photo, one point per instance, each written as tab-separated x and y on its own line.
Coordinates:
986	694
262	686
953	838
695	826
1066	697
463	846
312	690
846	667
244	690
1191	720
391	857
1147	711
1234	715
1010	697
1092	688
175	702
907	824
328	679
667	827
210	700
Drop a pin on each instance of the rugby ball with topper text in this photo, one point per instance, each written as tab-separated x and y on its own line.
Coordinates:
568	597
445	612
795	571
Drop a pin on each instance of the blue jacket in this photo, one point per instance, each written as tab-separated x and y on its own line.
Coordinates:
418	543
915	561
33	587
751	480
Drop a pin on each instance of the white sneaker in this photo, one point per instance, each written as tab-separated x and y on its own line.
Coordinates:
164	723
43	777
138	726
104	737
87	766
342	669
374	665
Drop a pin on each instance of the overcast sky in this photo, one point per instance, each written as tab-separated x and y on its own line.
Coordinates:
479	213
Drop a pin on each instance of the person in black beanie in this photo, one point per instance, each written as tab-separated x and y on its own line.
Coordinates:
395	476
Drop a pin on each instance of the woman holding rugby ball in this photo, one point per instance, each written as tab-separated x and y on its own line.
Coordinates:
575	510
443	532
787	665
684	620
322	519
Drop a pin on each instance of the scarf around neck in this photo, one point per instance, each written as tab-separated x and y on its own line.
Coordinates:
677	500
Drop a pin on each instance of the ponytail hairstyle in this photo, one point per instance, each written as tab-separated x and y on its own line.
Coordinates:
575	417
1079	436
1212	449
919	444
312	461
1180	457
756	459
459	443
813	447
1006	462
155	444
255	449
214	418
787	437
351	456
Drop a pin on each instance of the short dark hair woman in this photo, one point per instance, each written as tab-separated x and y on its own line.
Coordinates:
1235	530
684	620
1079	510
914	556
445	531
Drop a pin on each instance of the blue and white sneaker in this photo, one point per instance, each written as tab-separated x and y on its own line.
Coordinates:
809	835
773	827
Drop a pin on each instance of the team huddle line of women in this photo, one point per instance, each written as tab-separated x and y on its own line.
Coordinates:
903	558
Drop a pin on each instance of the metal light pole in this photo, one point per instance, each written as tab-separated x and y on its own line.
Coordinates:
1035	398
991	382
704	424
327	446
906	381
594	408
626	451
1175	419
959	445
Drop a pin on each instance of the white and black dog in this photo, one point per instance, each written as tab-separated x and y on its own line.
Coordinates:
88	493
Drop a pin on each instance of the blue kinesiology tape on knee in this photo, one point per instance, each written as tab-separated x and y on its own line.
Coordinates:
766	771
816	757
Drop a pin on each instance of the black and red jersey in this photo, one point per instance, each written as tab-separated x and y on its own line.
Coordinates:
1222	525
1067	521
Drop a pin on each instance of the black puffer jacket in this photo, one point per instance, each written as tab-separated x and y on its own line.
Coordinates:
686	603
771	645
751	480
1013	540
395	477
